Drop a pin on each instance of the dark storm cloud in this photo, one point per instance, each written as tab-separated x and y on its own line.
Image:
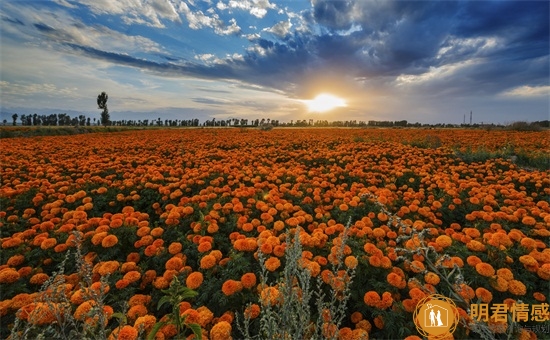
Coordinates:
334	15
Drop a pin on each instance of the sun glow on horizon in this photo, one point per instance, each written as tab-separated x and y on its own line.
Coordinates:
324	102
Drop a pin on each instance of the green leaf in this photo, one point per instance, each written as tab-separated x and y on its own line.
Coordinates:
187	293
121	317
162	301
197	330
155	329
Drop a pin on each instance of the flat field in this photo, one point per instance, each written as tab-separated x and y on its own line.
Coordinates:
163	233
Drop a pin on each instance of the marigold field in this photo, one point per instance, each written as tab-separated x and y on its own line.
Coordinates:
148	208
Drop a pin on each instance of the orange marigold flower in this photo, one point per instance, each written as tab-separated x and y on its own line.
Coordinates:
38	278
543	272
351	262
136	311
48	243
474	245
9	275
528	260
356	317
147	322
269	295
205	316
505	273
499	283
174	248
122	283
127	333
539	296
204	247
517	287
416	294
208	261
485	269
83	310
485	295
231	287
272	264
174	263
16	260
371	298
444	241
139	299
109	241
528	220
44	313
528	243
432	278
221	331
473	260
108	268
191	316
465	291
194	280
248	280
396	280
252	312
132	276
379	322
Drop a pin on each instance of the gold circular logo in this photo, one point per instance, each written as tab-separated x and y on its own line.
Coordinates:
436	316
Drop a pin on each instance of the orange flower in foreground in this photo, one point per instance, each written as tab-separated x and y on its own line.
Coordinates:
483	294
127	333
396	280
194	280
248	280
444	241
485	269
109	241
231	287
272	264
252	312
432	278
208	261
517	287
269	295
351	262
9	275
371	298
221	331
146	321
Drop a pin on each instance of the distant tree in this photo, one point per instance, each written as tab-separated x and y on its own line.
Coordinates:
14	117
5	122
102	104
88	121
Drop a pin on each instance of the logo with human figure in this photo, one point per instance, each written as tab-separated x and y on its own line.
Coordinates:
436	316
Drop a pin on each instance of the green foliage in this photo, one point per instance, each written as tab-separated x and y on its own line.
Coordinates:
173	296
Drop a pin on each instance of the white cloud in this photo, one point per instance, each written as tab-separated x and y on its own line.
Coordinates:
198	20
257	8
8	88
143	12
528	91
474	46
61	28
434	73
280	29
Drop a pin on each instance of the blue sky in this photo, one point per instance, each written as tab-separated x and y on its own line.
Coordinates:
423	61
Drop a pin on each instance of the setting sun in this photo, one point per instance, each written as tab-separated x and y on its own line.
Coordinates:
324	102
